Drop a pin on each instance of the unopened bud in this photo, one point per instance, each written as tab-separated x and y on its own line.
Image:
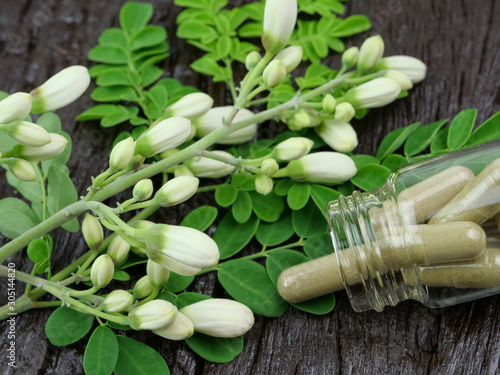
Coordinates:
275	73
122	154
61	89
102	271
177	190
299	120
20	168
401	78
143	190
15	107
165	135
182	170
117	301
279	21
190	106
269	167
370	53
252	60
344	112
204	167
28	133
329	103
49	151
338	134
263	184
410	66
350	57
157	274
118	250
137	161
92	231
291	57
142	288
181	329
373	94
153	315
293	148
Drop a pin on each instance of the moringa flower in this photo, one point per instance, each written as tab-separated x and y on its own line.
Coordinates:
279	21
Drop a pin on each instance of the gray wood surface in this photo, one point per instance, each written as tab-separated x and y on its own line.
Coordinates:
457	39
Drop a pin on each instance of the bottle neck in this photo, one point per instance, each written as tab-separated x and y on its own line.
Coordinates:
372	274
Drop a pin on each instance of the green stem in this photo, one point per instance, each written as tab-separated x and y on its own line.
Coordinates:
46	304
208	188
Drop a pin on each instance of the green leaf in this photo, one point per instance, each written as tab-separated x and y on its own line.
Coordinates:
394	161
97	112
113	37
61	193
395	140
280	260
247	282
38	251
460	128
149	36
101	352
118	115
267	207
225	195
371	177
197	4
362	160
316	247
50	122
114	77
223	46
272	234
189	298
136	358
16	204
177	283
66	326
308	222
487	131
121	275
192	29
298	195
242	207
30	190
231	236
108	55
200	218
439	143
134	16
283	187
422	138
351	25
321	195
114	94
215	349
14	223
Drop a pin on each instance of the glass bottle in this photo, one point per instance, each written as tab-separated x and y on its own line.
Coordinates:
431	234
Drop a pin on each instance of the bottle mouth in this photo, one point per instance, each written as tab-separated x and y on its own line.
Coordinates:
370	282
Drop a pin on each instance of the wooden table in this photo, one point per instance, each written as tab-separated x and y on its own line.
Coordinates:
458	41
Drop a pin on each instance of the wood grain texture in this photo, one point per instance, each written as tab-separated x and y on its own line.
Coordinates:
459	42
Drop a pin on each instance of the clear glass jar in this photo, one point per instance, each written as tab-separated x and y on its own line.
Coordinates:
431	234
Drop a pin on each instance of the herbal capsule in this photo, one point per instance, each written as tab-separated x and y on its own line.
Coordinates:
482	272
478	201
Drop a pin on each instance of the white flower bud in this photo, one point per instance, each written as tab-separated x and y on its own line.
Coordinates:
143	190
209	168
350	57
322	167
137	162
186	246
300	120
15	107
370	53
403	81
176	191
20	168
157	274
118	250
142	288
181	329
269	167
92	231
61	89
28	133
344	112
122	154
182	170
252	60
219	317
190	106
214	118
373	94
279	21
153	315
338	134
329	103
410	66
291	57
49	151
275	73
293	148
117	301
263	184
102	271
165	135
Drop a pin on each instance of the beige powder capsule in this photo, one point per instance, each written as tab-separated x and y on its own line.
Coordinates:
477	202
